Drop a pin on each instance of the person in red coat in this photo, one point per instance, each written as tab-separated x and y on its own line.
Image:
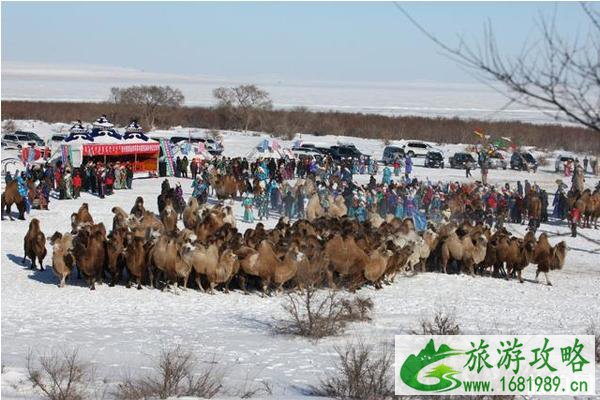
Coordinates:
575	218
59	183
76	184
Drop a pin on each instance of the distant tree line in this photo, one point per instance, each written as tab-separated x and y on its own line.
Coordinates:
249	108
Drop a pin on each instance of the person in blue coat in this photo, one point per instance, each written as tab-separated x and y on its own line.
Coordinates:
23	190
387	176
408	165
247	203
361	212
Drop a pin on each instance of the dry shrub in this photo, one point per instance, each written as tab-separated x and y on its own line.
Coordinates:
314	315
176	376
60	375
443	323
252	389
361	372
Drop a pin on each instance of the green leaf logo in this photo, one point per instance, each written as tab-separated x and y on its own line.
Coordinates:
413	365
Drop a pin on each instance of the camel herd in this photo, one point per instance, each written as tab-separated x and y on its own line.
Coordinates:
143	248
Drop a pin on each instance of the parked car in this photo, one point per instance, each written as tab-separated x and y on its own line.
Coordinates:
418	149
390	153
326	151
523	161
57	138
346	151
459	160
211	145
14	141
31	136
312	147
559	164
300	152
434	159
496	161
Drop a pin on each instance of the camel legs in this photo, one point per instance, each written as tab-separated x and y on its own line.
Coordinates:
62	281
546	274
243	284
330	281
139	283
469	267
199	282
41	260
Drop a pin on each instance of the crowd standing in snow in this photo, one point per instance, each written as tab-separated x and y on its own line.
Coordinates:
331	229
339	236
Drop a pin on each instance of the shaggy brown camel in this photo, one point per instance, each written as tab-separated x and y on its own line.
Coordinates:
547	257
465	250
62	258
34	244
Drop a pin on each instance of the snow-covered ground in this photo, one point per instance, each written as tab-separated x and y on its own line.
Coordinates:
26	81
117	329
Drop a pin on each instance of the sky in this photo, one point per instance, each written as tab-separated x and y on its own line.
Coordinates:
339	41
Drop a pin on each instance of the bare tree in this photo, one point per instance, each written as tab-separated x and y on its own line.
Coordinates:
245	101
554	74
147	99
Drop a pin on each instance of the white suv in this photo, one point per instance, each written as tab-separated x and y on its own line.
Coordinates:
418	149
16	141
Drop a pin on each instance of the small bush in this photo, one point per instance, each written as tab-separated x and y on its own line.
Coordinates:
360	373
443	323
314	315
60	375
252	389
175	377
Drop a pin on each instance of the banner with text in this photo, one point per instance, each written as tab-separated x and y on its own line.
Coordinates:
495	365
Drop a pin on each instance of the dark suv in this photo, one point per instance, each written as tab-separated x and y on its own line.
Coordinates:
460	160
434	159
346	151
523	161
390	153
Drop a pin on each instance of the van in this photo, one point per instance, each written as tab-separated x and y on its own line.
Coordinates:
390	153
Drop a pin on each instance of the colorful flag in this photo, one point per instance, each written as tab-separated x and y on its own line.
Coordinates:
479	132
168	154
275	144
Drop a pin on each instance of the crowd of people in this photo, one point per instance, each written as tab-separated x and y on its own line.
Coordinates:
37	183
266	188
397	193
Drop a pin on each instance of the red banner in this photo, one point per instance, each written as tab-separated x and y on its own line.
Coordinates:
116	149
39	153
